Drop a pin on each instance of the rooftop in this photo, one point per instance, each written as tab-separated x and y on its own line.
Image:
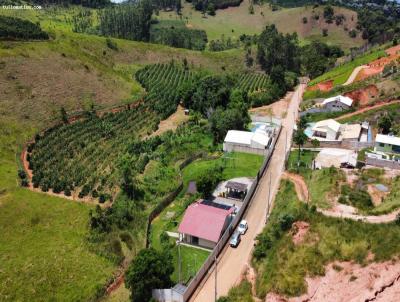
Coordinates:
339	98
204	221
236	186
387	139
351	131
322	126
246	137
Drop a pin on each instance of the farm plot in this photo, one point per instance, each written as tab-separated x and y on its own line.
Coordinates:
162	82
251	82
82	156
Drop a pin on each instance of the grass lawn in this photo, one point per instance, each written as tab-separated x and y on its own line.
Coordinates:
283	266
306	158
320	116
192	259
340	74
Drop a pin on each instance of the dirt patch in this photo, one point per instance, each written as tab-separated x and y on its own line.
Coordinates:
172	122
376	195
299	184
346	281
392	51
324	86
299	231
277	109
364	96
368	72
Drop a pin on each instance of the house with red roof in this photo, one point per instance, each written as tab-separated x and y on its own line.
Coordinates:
204	223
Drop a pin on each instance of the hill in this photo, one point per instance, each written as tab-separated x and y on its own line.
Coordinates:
235	21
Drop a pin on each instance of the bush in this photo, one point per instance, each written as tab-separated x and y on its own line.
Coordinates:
111	44
17	29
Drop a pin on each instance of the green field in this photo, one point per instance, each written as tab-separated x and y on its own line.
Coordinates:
328	239
234	21
43	251
371	115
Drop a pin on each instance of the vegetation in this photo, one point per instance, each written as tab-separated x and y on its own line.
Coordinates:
18	29
240	293
128	21
180	37
149	270
340	74
203	5
276	257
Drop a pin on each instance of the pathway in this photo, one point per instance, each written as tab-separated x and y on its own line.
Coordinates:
354	74
339	210
366	109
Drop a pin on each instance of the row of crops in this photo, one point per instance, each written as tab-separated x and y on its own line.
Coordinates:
253	81
82	156
162	82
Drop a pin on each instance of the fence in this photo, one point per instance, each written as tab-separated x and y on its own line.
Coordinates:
170	198
225	237
382	163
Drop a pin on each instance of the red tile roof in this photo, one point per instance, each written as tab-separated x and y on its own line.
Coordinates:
203	221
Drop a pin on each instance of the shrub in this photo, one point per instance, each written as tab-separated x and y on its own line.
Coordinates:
111	44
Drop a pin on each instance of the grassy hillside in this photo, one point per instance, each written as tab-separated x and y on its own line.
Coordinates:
277	257
43	250
234	21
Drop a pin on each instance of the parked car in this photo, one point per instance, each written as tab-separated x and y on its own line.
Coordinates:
235	239
243	226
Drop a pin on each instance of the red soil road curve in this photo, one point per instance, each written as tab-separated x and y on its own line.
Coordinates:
366	109
363	96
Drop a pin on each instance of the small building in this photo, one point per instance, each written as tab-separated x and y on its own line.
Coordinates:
203	223
338	158
387	144
326	130
337	103
248	142
236	190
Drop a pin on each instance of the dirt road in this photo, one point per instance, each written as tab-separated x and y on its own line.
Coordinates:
338	210
354	74
232	262
366	109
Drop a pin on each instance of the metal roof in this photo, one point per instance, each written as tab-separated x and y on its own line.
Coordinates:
388	139
236	186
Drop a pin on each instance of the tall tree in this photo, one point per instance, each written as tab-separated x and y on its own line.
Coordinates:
149	270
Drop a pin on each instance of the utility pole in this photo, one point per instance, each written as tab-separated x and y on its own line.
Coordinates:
179	261
215	297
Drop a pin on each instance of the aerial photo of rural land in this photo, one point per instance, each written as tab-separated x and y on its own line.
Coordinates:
199	150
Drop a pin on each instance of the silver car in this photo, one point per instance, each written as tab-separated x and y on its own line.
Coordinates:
243	226
235	239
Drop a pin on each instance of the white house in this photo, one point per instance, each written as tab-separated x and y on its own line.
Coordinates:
248	142
387	143
337	103
326	130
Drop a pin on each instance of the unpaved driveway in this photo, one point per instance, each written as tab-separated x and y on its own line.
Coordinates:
366	109
354	74
338	210
232	262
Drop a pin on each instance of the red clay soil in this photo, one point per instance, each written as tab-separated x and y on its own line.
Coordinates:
362	97
368	72
346	281
393	50
324	86
299	231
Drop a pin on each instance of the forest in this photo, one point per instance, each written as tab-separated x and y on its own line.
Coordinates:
17	29
180	37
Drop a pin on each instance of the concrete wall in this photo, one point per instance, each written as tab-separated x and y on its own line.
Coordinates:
230	147
336	106
382	163
385	148
167	295
207	243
